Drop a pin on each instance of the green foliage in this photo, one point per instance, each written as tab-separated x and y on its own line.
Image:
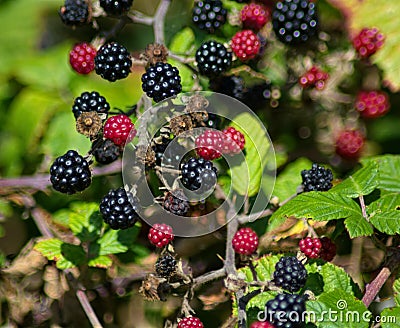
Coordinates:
390	318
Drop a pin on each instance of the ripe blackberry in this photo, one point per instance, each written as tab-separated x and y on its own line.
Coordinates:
74	12
245	241
372	104
314	77
70	173
261	324
113	62
233	141
160	235
311	247
328	249
246	45
212	121
190	322
349	144
213	58
119	129
161	81
209	144
81	58
116	7
105	151
165	266
209	15
295	21
176	202
286	310
231	85
254	16
368	41
168	154
88	102
290	274
317	179
198	174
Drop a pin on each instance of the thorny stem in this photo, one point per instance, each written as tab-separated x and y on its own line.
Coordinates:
375	286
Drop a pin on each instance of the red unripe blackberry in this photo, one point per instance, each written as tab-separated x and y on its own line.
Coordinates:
234	141
246	45
290	274
311	247
254	16
372	104
176	202
209	144
213	58
160	235
328	249
209	15
81	58
165	266
262	324
368	41
314	77
245	241
88	102
116	7
349	144
119	129
74	12
190	322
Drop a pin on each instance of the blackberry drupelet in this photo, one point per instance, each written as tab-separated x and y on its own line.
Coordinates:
113	62
176	202
116	7
290	274
317	179
198	174
165	266
118	210
209	15
88	102
213	58
70	173
105	151
295	21
161	81
286	310
74	12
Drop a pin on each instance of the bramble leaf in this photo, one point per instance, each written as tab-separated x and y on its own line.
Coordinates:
390	318
85	221
101	261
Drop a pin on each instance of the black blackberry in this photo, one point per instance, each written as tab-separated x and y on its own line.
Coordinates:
231	85
70	173
116	7
209	15
167	153
74	12
286	311
295	21
105	151
113	62
118	209
318	178
176	202
258	96
213	58
198	174
89	102
213	121
290	274
161	81
165	266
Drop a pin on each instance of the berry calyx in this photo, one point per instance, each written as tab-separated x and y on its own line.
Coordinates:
198	174
116	7
165	266
262	324
176	202
89	102
372	104
317	179
160	235
286	310
254	16
290	274
213	58
209	15
311	247
119	129
81	58
234	141
314	77
349	144
190	322
246	45
328	249
245	241
209	144
368	41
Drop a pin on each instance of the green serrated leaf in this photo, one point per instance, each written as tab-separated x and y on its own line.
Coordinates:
85	221
109	243
387	222
389	166
101	261
61	217
390	318
335	278
182	41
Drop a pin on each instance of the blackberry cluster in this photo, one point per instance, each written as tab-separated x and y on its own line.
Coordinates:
317	179
295	21
176	202
116	7
70	173
368	41
89	102
161	81
105	151
213	58
209	15
113	62
290	274
198	174
165	266
372	104
286	310
118	210
74	12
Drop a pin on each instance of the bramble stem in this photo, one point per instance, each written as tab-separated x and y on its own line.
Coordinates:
375	286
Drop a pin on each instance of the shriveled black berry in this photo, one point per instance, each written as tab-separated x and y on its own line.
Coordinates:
116	7
198	174
165	266
176	202
105	151
74	12
88	102
213	58
161	81
70	173
290	274
119	209
295	21
113	62
230	85
286	311
209	15
318	178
